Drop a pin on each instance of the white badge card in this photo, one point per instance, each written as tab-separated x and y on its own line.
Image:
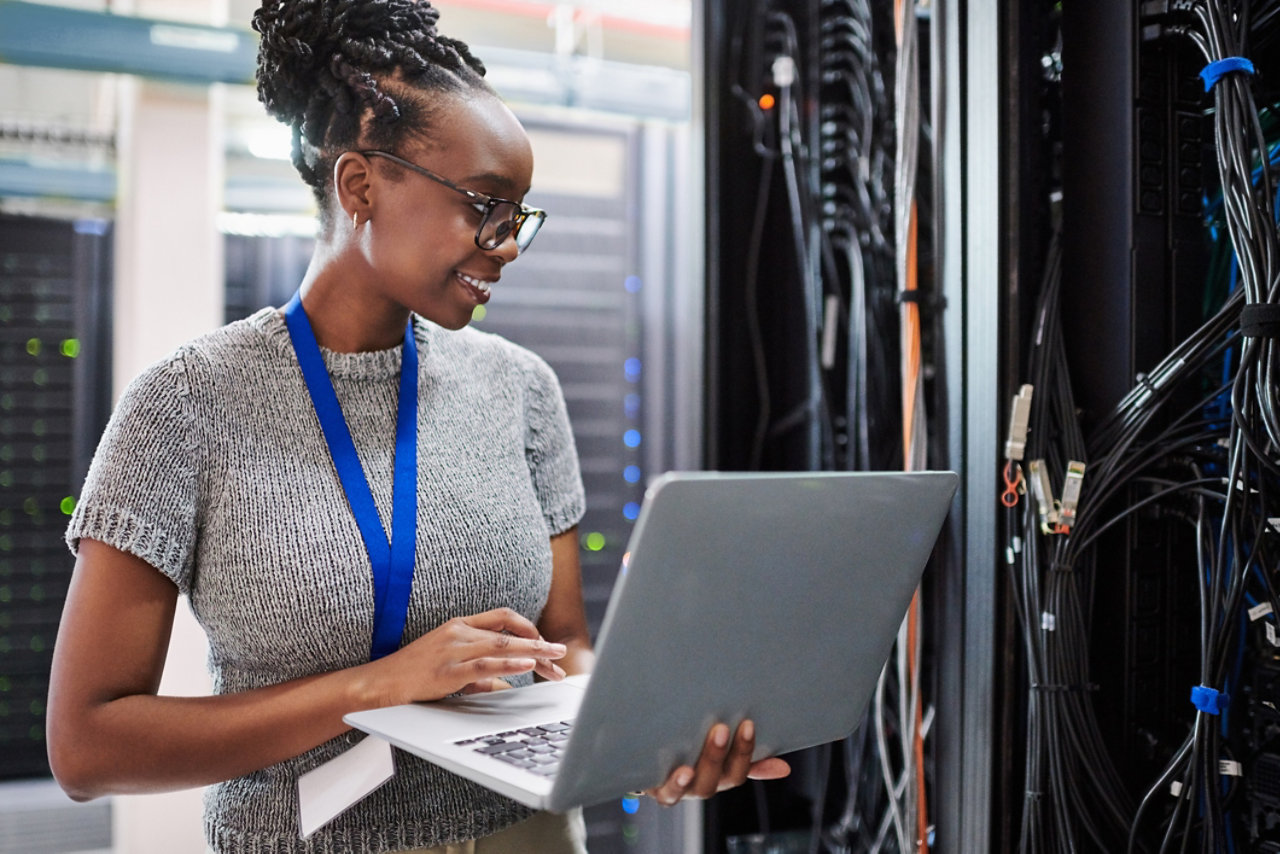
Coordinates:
324	793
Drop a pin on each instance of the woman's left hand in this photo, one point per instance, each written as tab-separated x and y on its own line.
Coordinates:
724	764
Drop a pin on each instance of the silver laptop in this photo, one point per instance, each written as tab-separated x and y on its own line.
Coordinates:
770	596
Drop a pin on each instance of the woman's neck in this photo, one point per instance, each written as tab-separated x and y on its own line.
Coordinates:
348	320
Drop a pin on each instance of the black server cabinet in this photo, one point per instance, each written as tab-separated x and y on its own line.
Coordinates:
55	395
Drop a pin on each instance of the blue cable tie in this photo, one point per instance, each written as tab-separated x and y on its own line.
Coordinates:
1214	71
1208	700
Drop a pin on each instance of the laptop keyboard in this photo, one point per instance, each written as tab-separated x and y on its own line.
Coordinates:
536	749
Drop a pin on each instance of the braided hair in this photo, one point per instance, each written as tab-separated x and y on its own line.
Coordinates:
355	73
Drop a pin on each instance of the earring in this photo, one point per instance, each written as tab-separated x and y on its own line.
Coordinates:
355	219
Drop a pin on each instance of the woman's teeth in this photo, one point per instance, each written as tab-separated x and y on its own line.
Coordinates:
483	287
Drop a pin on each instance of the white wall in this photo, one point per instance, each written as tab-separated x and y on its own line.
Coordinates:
168	289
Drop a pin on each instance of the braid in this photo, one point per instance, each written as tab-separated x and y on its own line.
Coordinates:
341	71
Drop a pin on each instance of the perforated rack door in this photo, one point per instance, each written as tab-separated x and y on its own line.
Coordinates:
47	270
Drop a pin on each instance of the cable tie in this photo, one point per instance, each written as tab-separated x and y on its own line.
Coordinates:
1260	320
1257	612
1209	700
1230	768
1214	71
1048	621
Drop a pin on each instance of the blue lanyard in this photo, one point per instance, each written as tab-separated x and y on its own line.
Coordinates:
392	561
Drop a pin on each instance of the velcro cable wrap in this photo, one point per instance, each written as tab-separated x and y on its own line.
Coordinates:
1260	320
1214	71
1209	700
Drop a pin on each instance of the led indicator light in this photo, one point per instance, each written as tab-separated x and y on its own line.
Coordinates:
632	367
631	511
631	438
631	474
633	284
595	541
767	101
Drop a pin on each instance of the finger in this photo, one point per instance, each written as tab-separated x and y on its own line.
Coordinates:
709	768
738	762
485	686
772	768
491	644
503	620
674	788
548	669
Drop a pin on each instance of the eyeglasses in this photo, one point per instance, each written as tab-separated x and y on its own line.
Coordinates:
499	218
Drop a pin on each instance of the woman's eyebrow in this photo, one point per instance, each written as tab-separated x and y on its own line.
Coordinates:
492	179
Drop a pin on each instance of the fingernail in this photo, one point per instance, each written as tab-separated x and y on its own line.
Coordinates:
557	648
684	778
721	736
747	731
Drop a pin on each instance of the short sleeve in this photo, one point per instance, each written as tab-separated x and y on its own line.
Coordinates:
140	495
550	450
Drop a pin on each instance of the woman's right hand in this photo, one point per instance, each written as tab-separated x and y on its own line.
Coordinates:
466	654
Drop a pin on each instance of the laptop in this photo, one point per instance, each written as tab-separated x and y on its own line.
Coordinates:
769	596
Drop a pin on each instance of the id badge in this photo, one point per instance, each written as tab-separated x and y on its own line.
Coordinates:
326	792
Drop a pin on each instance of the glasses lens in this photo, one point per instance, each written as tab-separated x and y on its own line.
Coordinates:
498	225
529	228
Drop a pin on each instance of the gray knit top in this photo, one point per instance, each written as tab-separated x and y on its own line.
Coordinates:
214	470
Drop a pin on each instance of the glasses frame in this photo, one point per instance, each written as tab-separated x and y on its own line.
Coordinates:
490	203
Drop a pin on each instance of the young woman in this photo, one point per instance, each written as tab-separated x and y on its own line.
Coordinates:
367	503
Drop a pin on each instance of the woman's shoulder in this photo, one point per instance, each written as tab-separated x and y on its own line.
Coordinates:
217	355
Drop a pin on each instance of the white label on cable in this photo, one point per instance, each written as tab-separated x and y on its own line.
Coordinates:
1048	622
1017	544
324	793
1274	522
1257	612
1271	634
1230	768
1008	556
1175	788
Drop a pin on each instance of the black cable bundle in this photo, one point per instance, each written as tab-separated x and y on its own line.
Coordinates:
1185	447
1073	792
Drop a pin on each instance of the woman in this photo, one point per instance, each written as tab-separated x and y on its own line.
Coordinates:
367	503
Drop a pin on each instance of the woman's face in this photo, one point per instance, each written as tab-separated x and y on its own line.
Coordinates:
421	237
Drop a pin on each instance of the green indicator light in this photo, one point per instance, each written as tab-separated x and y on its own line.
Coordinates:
6	543
38	427
37	644
37	453
6	314
595	541
630	832
6	517
6	595
70	348
36	733
5	685
68	505
36	593
31	507
40	376
6	401
6	479
6	452
36	707
479	313
33	346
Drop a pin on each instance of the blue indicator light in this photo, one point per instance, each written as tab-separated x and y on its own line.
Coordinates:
631	511
631	438
632	368
630	806
631	404
633	284
631	474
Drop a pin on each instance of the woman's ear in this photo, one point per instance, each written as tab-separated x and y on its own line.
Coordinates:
352	180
